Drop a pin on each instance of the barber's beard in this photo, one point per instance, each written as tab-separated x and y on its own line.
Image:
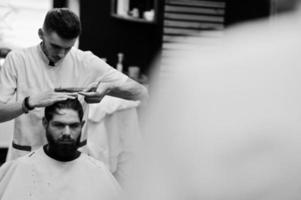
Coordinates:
64	148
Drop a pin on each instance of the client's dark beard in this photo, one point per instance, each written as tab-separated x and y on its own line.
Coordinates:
62	149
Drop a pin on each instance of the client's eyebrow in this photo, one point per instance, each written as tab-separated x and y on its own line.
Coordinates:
66	124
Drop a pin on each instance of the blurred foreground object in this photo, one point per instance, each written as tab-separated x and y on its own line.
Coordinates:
226	123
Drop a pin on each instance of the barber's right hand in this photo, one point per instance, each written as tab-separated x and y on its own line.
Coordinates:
48	98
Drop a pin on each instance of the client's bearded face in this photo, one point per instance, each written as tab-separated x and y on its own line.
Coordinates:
63	133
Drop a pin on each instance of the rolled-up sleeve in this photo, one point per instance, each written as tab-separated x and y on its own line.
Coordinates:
101	71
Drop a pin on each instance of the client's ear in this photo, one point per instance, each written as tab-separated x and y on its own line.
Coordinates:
41	34
44	122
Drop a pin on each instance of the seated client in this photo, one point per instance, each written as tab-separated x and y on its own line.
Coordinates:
58	170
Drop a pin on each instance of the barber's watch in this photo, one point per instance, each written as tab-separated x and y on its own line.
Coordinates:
25	105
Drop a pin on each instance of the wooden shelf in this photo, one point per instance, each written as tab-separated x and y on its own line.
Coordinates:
141	9
133	19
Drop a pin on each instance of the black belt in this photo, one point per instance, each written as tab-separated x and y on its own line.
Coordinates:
28	148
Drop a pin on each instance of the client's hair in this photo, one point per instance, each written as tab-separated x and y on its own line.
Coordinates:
72	104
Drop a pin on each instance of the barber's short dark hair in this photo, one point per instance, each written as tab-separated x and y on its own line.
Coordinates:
72	104
64	22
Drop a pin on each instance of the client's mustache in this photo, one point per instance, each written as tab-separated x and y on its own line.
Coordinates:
65	138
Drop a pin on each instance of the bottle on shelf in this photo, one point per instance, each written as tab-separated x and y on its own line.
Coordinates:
122	7
134	72
119	65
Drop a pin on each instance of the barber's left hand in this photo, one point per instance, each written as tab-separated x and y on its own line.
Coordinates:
95	92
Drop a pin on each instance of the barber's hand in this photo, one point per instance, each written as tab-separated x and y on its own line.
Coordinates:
48	98
95	92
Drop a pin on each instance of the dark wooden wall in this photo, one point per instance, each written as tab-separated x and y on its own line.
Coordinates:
106	36
238	11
